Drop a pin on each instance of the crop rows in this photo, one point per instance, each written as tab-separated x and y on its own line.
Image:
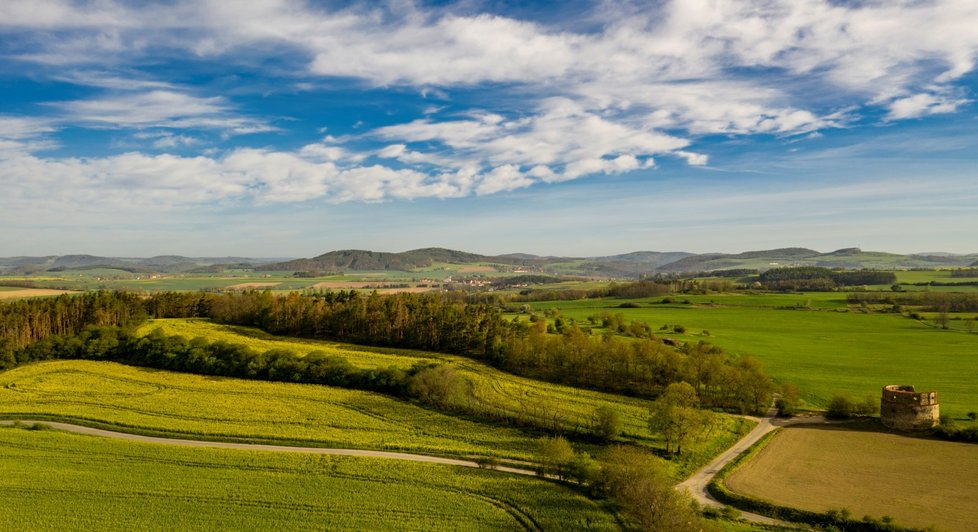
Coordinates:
53	480
501	394
232	408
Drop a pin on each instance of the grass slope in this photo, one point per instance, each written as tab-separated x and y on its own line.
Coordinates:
59	481
919	482
494	390
826	350
223	408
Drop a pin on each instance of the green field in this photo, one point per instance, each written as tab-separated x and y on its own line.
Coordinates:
221	408
59	481
827	350
494	390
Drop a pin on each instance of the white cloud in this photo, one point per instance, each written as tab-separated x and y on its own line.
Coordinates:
696	159
392	152
646	82
923	104
506	177
22	127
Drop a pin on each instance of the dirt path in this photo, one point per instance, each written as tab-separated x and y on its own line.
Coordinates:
78	429
697	484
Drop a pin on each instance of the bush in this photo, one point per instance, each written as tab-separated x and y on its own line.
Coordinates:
607	423
841	407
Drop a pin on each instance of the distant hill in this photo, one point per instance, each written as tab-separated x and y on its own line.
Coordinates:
358	259
626	265
848	258
158	264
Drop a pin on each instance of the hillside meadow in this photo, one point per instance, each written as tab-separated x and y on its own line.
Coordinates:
59	481
919	482
495	391
193	406
814	341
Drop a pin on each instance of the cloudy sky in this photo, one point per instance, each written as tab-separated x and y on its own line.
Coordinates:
290	128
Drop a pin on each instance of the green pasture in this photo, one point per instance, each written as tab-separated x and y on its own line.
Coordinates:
926	276
824	351
493	390
59	481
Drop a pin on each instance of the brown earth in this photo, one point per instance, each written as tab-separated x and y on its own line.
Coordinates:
359	285
31	292
919	482
249	286
476	269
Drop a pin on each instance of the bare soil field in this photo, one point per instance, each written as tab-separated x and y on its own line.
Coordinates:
919	482
476	269
359	285
31	292
249	286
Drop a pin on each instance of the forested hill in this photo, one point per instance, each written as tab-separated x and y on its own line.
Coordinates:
847	258
625	265
628	265
357	259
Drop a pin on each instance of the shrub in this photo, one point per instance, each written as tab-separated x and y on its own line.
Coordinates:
840	407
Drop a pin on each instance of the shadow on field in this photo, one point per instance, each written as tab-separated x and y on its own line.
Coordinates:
854	425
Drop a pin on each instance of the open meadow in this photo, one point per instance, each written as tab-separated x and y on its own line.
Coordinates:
919	482
492	389
59	481
814	341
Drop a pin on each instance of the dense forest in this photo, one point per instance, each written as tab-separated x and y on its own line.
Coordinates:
29	320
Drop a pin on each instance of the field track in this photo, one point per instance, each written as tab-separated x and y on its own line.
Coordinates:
79	429
700	494
697	484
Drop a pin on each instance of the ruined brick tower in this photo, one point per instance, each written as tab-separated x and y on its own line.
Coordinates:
903	408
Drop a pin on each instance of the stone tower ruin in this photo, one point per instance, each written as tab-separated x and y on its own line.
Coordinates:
903	408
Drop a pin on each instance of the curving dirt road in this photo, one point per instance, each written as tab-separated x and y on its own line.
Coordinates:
79	429
697	484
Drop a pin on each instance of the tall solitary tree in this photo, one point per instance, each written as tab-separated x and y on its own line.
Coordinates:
675	414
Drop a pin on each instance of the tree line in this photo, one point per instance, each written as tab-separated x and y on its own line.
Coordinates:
430	322
930	301
814	278
25	321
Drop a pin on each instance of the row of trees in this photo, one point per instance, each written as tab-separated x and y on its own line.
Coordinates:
929	301
434	322
431	322
813	278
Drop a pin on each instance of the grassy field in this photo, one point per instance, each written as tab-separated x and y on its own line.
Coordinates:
59	481
222	408
919	482
494	390
824	351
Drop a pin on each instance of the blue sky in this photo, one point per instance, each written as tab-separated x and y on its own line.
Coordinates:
290	128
